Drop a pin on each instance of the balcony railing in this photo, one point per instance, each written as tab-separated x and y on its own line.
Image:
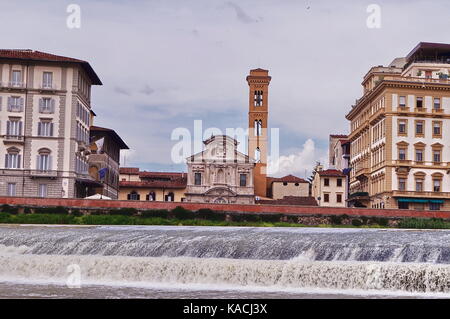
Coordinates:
49	87
397	193
15	108
13	138
43	173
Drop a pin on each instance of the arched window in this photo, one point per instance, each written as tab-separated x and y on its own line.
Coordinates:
169	197
13	158
133	196
151	196
258	99
44	160
258	127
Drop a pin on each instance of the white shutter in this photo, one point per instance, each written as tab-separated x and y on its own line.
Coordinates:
50	162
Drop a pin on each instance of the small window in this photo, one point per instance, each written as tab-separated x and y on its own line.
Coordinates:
198	178
169	197
419	185
402	127
326	182
285	183
436	156
401	184
402	154
435	206
296	184
42	190
436	185
243	180
419	102
419	155
339	198
11	189
326	198
47	80
339	182
436	129
402	101
419	128
437	103
133	196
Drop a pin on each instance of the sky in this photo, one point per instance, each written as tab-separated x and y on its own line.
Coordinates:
165	64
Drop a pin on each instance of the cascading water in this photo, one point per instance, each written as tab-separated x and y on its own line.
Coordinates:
370	260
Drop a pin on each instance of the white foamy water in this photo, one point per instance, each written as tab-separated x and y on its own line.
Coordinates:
264	261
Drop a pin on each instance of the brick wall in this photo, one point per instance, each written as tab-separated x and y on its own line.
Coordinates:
285	209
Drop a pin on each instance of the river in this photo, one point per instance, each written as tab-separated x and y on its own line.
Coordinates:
222	262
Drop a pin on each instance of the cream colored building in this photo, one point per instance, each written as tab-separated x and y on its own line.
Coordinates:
400	130
45	111
151	186
329	187
289	185
220	174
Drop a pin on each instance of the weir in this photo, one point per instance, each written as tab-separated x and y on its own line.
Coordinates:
362	259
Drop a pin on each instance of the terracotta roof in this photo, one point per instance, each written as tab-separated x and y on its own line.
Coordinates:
110	132
339	135
290	200
178	183
129	170
331	172
30	55
161	174
287	178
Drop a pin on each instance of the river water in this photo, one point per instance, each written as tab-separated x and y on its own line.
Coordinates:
222	262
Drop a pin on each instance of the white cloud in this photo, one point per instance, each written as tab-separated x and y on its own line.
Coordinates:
300	163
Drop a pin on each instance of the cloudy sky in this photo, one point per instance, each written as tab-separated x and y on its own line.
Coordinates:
167	63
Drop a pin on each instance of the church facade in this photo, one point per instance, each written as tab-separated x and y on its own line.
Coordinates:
220	174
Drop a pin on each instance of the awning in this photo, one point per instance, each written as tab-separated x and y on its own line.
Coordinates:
420	200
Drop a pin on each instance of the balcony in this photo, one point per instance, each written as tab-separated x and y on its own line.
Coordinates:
43	174
13	139
47	87
437	112
15	108
397	193
420	110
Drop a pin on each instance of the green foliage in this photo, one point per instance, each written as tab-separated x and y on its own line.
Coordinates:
356	222
336	219
60	210
123	211
424	223
161	213
181	213
5	208
206	213
382	221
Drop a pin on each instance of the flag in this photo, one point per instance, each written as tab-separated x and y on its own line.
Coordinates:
102	173
99	144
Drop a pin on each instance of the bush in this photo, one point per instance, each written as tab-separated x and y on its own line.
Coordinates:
209	214
27	210
271	218
432	223
180	212
160	213
124	211
382	221
357	222
60	210
5	208
246	218
76	212
336	219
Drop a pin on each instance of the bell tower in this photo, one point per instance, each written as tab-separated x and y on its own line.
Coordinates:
258	113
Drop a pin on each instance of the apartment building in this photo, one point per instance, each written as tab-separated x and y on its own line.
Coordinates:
329	187
45	112
400	130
